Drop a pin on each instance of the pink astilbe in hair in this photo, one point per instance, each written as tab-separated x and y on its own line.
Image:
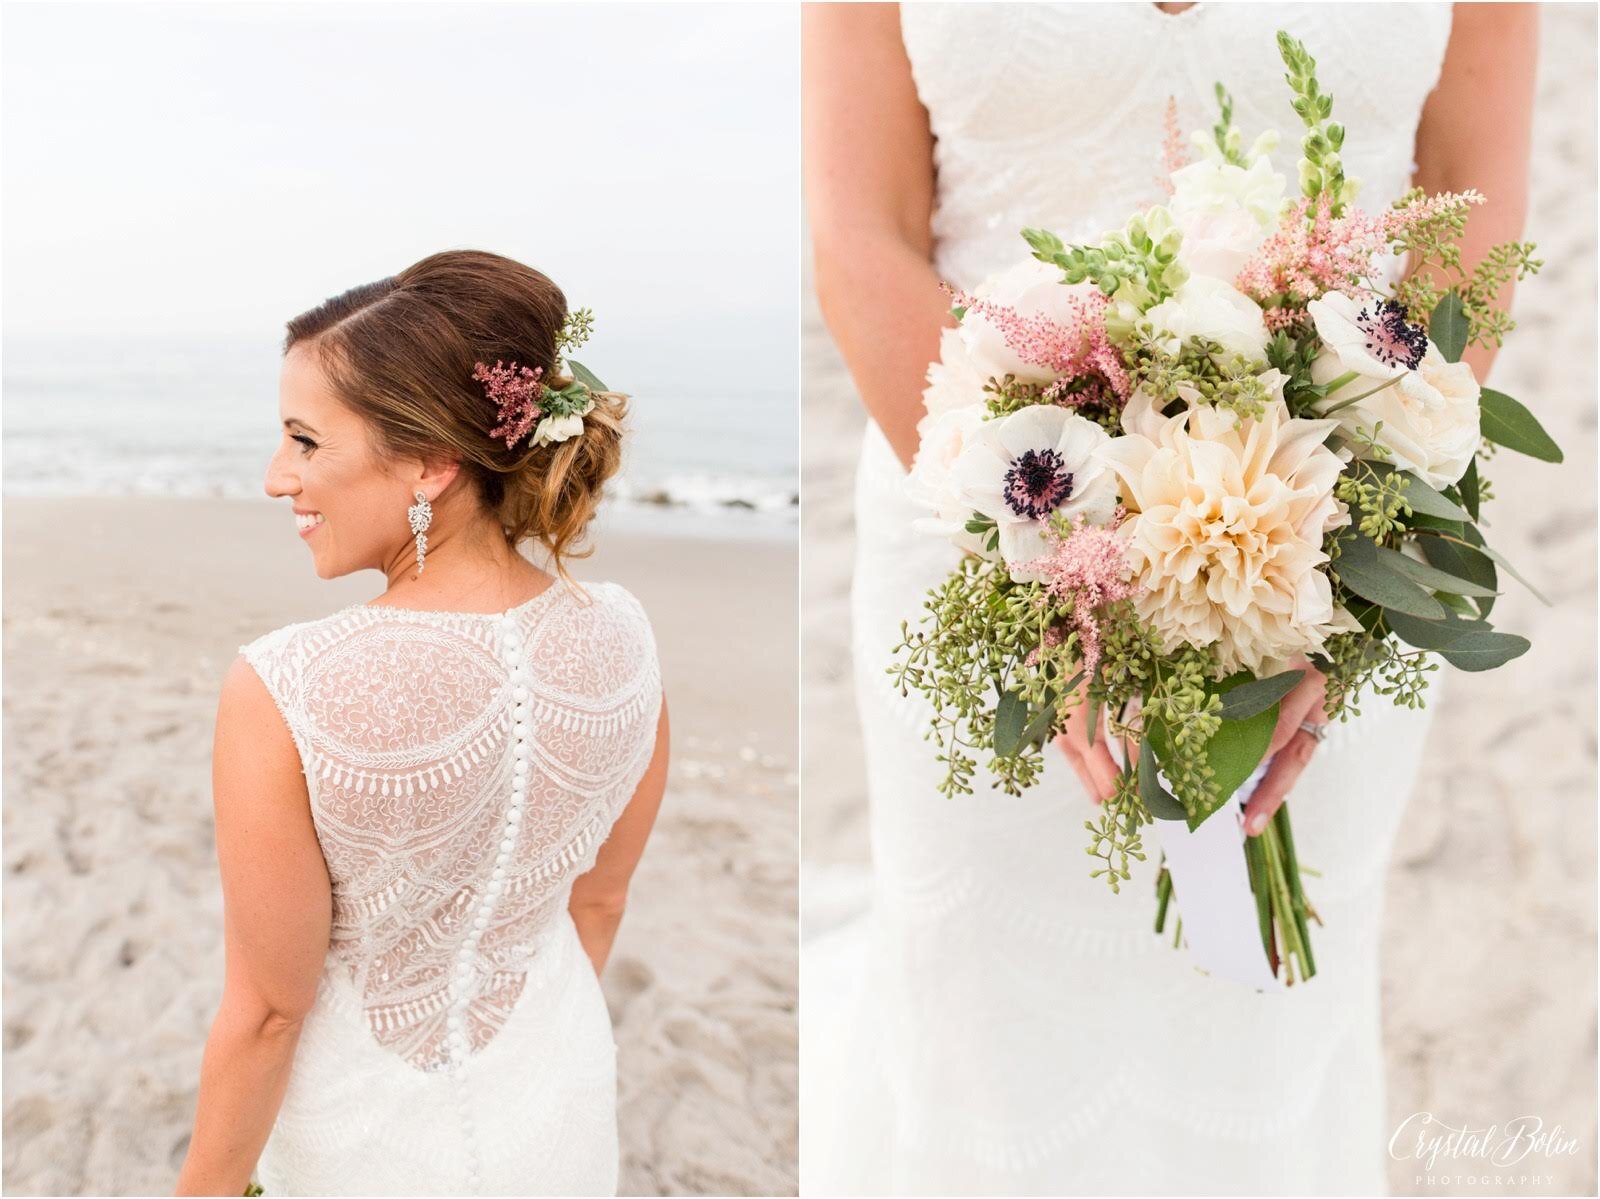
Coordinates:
1070	349
517	391
1088	567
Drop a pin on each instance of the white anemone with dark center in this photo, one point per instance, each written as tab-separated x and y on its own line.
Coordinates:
1037	484
1391	339
1421	410
1021	469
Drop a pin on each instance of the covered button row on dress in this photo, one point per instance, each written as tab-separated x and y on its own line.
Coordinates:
461	983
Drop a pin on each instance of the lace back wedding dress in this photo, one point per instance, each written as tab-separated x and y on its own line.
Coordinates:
463	770
998	1022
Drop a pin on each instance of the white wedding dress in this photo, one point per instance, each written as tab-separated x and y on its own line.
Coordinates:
998	1022
463	770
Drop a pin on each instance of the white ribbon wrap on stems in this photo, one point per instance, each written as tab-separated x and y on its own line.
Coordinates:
1211	888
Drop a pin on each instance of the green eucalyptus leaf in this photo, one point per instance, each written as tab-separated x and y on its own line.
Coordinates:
1431	502
1507	423
1094	717
1455	528
1465	644
1422	497
1432	577
1447	327
1252	695
1500	560
1039	725
585	376
1468	486
1010	721
1232	752
1432	634
1485	651
1156	800
1365	572
1042	721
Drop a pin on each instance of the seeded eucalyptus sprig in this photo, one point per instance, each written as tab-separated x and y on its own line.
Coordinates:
1432	240
574	331
1222	379
1321	167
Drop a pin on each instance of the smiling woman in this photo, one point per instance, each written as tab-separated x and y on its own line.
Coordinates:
391	371
428	812
278	425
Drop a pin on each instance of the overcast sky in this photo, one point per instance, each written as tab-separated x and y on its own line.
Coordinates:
207	171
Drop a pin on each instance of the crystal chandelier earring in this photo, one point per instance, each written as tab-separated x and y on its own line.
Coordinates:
420	514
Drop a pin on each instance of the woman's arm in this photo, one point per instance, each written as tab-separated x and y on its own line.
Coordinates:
1477	127
277	910
600	896
868	157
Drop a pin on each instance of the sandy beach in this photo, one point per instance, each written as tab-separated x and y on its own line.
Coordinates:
1489	948
121	617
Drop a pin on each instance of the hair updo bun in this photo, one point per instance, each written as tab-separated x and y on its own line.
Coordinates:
401	353
555	495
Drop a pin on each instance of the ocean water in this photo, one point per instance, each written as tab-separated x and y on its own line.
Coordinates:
196	421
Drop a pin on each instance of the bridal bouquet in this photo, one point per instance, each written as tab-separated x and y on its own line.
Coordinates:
1211	445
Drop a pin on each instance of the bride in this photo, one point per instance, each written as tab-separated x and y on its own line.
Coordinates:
998	1023
428	807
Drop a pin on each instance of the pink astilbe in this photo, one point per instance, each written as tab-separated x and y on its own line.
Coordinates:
1397	222
517	391
1071	349
1284	318
1313	252
1088	567
1174	155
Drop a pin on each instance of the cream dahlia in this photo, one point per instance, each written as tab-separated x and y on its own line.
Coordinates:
1227	517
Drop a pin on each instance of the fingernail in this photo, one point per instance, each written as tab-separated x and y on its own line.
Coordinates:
1256	823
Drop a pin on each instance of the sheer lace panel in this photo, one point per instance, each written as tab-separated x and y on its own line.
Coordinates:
463	769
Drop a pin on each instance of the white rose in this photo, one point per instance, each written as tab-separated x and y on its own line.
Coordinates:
1210	308
1020	469
1429	414
953	382
930	483
1225	212
1032	288
1429	417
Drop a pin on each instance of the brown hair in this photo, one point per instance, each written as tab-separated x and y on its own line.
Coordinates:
400	353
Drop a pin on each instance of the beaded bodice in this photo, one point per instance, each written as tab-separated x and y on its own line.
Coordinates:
462	769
